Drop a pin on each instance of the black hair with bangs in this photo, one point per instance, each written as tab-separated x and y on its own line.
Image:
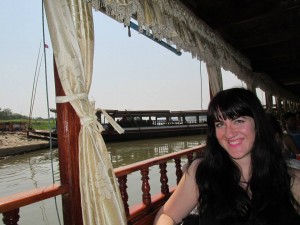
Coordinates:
230	105
218	176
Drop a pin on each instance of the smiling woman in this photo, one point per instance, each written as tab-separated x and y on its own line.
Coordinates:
243	177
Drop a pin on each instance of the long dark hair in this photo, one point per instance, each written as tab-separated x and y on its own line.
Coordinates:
218	176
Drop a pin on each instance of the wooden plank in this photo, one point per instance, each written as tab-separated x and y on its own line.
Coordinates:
21	199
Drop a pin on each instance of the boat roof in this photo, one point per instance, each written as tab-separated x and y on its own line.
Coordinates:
266	32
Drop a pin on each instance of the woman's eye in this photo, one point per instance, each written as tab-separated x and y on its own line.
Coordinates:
219	124
239	121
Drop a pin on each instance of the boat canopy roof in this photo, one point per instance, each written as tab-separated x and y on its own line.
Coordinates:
266	32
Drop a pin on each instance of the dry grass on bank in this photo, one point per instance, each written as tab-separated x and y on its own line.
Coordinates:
17	138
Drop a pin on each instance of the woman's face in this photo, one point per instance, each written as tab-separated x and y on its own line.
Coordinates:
236	136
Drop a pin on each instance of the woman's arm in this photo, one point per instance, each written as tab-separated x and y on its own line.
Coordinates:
183	200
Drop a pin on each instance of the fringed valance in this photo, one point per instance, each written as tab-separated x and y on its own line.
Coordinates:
170	20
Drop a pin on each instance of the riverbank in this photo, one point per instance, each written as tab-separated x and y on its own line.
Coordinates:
14	143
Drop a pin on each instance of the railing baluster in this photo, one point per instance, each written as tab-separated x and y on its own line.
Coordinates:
146	186
123	190
11	217
190	157
164	178
178	169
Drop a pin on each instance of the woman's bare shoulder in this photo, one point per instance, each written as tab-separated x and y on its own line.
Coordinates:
194	165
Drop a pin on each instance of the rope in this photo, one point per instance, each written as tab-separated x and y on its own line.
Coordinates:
34	85
48	108
91	119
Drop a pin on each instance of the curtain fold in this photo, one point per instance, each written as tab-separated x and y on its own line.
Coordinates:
71	30
214	78
251	87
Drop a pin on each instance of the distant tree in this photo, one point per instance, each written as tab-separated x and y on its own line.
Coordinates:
7	114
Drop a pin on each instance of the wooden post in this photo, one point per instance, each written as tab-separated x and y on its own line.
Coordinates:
146	186
68	127
11	217
178	169
123	190
164	178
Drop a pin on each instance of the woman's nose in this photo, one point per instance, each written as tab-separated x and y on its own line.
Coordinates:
230	131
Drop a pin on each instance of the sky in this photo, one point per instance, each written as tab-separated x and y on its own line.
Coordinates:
132	73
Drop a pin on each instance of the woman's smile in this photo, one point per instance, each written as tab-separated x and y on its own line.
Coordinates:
235	142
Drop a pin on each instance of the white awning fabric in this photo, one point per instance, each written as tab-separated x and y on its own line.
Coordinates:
173	22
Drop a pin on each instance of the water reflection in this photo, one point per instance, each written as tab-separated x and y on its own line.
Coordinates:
32	170
134	151
27	171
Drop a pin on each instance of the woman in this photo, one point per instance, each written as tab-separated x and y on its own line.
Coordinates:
243	177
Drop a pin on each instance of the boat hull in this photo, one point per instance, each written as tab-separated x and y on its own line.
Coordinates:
153	132
134	133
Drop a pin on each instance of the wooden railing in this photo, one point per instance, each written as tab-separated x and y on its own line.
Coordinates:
144	212
10	205
137	214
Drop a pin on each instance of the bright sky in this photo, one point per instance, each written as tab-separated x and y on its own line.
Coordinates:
129	72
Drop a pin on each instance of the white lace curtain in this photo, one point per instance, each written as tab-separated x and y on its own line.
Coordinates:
72	35
170	20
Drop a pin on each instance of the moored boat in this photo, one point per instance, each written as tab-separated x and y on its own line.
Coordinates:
143	124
